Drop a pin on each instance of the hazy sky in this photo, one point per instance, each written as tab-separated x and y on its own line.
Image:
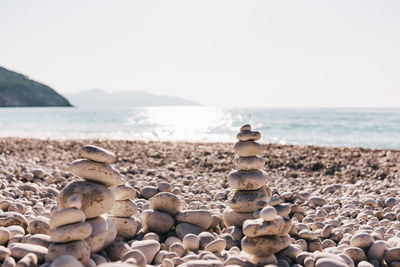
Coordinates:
230	53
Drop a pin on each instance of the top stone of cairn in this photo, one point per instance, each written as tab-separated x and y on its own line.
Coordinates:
97	154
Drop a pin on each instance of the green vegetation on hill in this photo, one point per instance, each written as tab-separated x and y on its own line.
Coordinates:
17	90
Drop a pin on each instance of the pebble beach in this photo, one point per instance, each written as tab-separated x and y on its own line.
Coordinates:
166	203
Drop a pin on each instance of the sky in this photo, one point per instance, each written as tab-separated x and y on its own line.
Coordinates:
320	53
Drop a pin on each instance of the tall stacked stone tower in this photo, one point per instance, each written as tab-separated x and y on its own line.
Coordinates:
88	200
249	191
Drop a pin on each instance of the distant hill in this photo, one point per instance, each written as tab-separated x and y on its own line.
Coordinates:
100	98
17	90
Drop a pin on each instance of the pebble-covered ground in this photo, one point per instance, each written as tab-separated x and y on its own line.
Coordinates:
342	202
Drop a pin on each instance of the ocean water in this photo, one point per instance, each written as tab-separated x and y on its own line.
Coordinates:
371	128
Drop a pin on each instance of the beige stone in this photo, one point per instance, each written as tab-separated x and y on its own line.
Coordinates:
40	240
126	227
218	245
361	240
149	248
247	179
392	254
39	225
96	153
19	250
202	218
97	172
96	199
66	261
183	229
66	216
248	136
191	242
166	202
265	245
9	218
4	253
356	254
268	214
259	227
137	255
97	237
74	202
78	249
123	208
330	262
249	163
71	232
247	148
245	127
377	250
29	260
249	200
233	218
4	235
203	263
157	221
124	192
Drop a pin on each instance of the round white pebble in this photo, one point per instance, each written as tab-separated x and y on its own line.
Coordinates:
268	214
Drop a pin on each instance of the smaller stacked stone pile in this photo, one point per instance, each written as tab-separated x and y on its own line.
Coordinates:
265	236
94	198
248	183
69	231
159	217
123	210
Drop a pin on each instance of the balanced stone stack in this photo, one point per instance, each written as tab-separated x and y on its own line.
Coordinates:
94	197
69	231
123	210
265	236
159	217
250	192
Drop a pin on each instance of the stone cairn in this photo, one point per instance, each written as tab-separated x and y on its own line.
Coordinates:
86	200
123	211
266	236
250	192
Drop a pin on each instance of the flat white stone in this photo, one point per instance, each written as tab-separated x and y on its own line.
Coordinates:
248	201
248	136
259	227
166	202
264	246
96	171
157	221
98	154
247	180
71	232
233	218
268	214
66	216
249	163
149	248
245	127
126	227
202	218
77	249
124	192
247	148
123	208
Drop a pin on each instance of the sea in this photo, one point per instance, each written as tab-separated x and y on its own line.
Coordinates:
344	127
